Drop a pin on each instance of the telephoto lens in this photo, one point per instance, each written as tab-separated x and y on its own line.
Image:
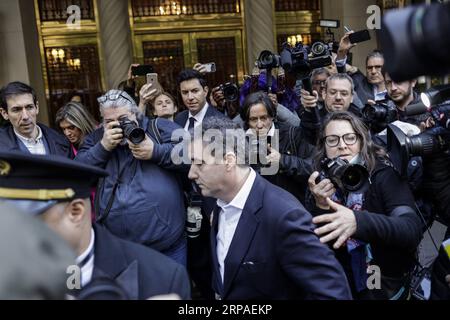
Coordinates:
132	131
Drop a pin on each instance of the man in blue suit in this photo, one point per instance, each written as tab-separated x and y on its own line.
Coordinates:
262	239
194	90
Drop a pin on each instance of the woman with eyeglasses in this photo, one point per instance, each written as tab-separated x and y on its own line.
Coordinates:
375	232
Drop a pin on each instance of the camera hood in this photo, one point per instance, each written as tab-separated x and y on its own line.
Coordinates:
397	148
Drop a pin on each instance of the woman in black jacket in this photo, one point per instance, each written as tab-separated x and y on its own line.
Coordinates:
278	146
376	228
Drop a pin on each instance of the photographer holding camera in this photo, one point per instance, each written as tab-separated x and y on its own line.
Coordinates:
337	95
291	154
140	200
379	224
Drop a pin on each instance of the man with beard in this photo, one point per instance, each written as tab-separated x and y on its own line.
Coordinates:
403	94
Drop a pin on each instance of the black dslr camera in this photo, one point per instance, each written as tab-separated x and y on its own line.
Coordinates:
131	130
230	91
345	176
378	116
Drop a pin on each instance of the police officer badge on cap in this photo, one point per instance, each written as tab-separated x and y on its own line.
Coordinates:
40	181
5	168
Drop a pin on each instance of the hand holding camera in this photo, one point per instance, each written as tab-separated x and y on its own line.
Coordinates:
112	135
143	150
321	190
307	100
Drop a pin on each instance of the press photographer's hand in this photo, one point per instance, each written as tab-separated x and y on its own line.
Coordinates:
344	46
309	101
321	191
112	135
340	225
143	150
274	156
218	99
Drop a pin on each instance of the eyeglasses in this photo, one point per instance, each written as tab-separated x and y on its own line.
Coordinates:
319	82
113	97
334	140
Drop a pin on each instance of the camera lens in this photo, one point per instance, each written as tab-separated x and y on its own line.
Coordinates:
230	92
423	144
136	135
318	49
355	178
131	131
374	113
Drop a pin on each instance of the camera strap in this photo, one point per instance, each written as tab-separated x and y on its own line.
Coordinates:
153	129
101	219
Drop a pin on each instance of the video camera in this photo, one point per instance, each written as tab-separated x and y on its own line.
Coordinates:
430	142
301	60
345	176
268	60
131	130
378	116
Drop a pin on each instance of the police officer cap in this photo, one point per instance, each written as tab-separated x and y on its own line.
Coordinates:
35	182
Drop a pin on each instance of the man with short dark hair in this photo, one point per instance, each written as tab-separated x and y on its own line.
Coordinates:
263	246
337	95
194	91
57	191
19	105
403	95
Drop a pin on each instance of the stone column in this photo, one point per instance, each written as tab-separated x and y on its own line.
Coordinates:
20	58
260	28
115	39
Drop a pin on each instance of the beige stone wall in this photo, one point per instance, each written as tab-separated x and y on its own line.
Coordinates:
351	13
19	49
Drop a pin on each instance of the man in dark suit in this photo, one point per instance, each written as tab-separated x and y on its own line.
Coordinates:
194	90
262	239
19	105
57	191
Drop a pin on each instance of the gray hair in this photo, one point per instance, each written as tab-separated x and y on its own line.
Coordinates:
233	137
117	99
340	76
319	71
374	54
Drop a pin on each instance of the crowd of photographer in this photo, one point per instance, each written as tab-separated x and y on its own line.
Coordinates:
367	156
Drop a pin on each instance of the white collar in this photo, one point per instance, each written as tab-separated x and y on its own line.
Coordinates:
86	252
200	115
38	138
241	197
271	132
